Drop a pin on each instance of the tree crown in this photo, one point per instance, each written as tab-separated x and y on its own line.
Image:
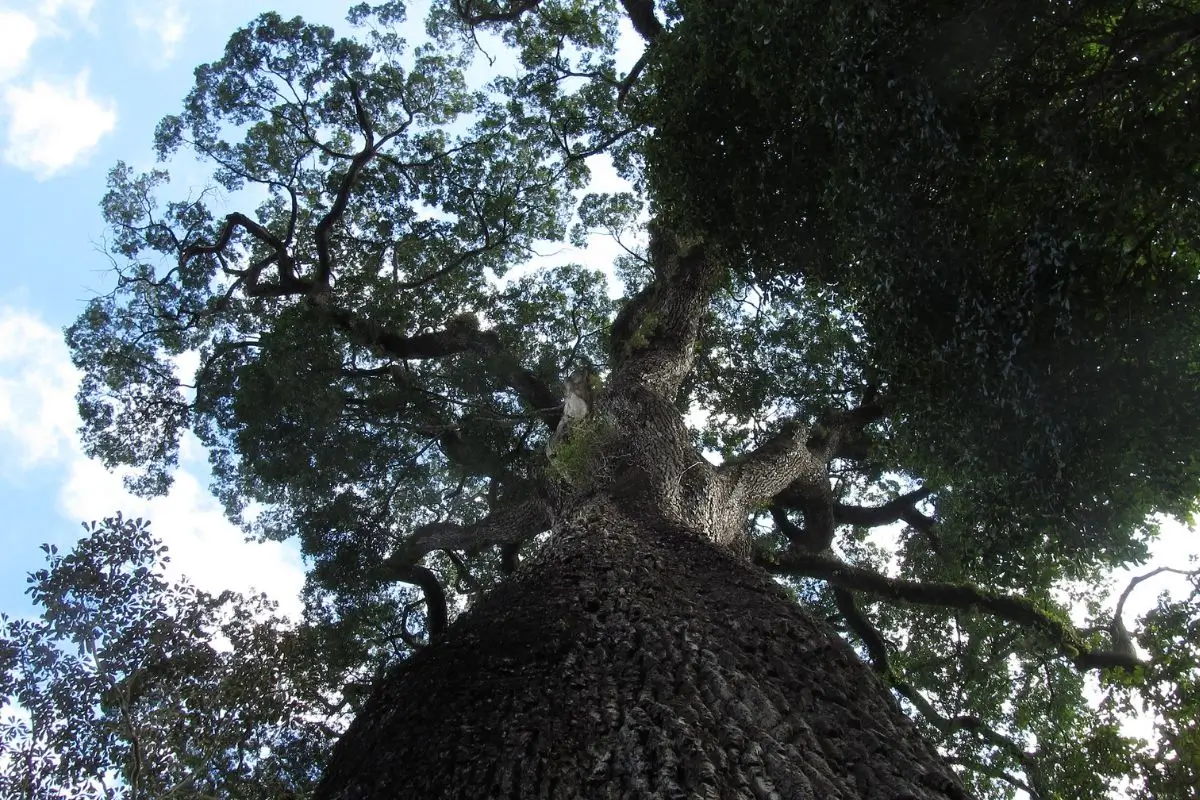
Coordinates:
949	254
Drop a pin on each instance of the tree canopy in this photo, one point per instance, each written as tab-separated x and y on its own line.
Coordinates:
136	687
958	246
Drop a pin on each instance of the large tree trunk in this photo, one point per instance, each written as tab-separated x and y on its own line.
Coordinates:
641	655
635	659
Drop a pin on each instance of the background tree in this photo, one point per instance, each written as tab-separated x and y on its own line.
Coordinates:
129	686
930	266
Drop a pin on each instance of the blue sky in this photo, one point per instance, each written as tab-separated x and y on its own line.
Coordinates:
82	85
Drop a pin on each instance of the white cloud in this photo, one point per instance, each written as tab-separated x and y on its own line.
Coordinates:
37	407
203	545
50	14
52	8
53	125
37	427
164	23
18	32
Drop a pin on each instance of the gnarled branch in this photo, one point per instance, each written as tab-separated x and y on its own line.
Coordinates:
464	574
341	198
653	338
790	468
949	595
288	283
468	11
453	340
1133	582
817	533
641	14
901	508
1119	639
506	525
629	80
877	652
510	558
777	463
833	436
435	597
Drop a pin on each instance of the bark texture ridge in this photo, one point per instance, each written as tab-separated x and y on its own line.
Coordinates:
634	659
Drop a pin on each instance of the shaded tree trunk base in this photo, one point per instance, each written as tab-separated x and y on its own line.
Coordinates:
635	660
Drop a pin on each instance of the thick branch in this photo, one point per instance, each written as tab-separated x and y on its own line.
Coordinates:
629	80
1133	582
472	457
1119	639
965	722
833	437
464	573
819	523
993	772
598	147
774	465
653	338
950	595
450	266
506	525
1106	659
341	198
423	577
468	13
858	623
233	222
902	508
505	367
641	14
510	558
877	652
790	468
453	340
816	535
288	284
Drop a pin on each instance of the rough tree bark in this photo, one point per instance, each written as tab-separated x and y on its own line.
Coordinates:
641	655
635	660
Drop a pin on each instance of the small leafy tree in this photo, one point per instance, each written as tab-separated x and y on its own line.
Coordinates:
130	686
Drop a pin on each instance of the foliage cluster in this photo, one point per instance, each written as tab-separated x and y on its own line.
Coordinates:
129	685
1001	197
582	453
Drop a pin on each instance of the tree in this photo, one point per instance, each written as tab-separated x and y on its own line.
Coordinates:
129	686
930	266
